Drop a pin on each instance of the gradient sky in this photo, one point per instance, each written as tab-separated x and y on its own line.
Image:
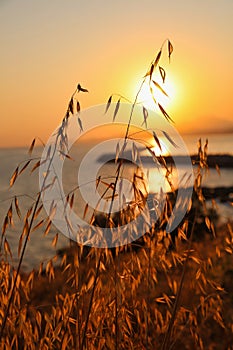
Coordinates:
47	47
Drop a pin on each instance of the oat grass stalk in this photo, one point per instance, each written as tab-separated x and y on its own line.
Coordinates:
116	268
60	132
149	74
91	301
167	338
19	266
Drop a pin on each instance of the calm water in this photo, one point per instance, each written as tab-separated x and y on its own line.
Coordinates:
39	248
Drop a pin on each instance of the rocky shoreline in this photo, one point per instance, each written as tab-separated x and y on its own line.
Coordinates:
224	194
213	160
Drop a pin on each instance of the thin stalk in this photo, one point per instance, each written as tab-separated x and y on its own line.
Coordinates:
126	137
90	303
148	295
127	134
132	108
77	326
19	266
166	340
136	98
116	305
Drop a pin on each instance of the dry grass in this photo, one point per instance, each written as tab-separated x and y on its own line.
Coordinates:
49	310
162	292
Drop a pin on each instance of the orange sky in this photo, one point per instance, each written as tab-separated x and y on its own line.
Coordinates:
47	47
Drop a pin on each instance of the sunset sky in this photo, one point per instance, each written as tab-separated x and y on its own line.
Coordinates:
47	47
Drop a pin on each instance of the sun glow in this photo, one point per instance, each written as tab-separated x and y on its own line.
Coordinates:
156	92
160	152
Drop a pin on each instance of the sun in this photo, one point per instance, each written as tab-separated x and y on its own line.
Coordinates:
163	151
159	92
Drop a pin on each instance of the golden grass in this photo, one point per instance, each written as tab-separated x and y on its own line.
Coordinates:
164	291
135	292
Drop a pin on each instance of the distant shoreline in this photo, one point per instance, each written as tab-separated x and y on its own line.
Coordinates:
213	160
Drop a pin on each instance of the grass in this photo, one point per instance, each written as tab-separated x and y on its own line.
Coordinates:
164	291
50	308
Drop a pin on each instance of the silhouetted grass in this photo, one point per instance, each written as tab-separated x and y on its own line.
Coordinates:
164	291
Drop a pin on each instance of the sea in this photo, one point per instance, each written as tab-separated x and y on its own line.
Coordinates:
26	187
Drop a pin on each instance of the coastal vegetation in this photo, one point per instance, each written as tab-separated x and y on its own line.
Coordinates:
165	290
